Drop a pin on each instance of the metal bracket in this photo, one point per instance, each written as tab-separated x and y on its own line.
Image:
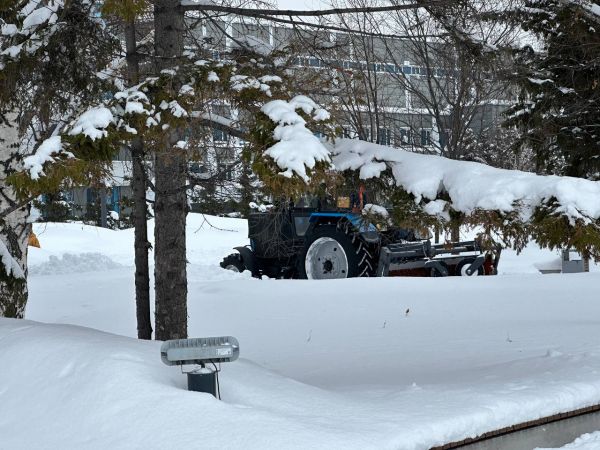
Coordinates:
434	264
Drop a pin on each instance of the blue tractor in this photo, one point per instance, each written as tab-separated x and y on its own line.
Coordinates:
310	243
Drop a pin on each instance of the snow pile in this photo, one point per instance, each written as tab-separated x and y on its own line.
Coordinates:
297	149
74	263
208	240
470	185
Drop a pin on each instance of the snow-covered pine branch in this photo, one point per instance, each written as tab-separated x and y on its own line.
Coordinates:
37	25
470	186
152	107
557	211
297	148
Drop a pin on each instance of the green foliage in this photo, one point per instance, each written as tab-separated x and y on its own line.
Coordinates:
559	102
65	173
548	226
47	81
54	208
127	10
555	231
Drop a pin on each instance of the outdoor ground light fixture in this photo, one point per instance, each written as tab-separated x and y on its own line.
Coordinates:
203	352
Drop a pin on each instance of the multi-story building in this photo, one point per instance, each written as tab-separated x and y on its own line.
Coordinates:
380	89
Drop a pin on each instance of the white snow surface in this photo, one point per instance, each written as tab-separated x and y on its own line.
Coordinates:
470	185
588	441
393	363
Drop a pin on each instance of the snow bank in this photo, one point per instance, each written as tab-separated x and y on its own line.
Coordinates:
392	363
469	356
70	263
470	185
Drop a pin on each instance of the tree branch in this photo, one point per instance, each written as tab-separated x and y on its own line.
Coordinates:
251	12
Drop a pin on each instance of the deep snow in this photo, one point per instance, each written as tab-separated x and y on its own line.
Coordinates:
363	363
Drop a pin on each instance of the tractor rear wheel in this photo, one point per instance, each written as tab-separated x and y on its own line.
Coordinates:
335	251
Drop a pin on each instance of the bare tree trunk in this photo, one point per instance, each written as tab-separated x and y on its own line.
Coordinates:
14	229
140	220
455	232
170	208
103	211
141	244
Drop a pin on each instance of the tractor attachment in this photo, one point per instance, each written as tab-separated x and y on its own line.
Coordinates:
437	260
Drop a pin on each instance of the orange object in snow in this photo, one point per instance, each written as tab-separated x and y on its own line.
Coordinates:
33	241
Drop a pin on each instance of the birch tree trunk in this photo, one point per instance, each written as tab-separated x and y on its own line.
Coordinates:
14	229
170	208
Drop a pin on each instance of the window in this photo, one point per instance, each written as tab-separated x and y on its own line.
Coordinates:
220	135
314	62
229	174
425	137
405	136
384	136
225	153
195	168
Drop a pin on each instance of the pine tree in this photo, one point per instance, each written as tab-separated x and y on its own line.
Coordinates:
558	112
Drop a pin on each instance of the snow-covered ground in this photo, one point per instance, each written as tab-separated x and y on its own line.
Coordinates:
403	363
589	441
